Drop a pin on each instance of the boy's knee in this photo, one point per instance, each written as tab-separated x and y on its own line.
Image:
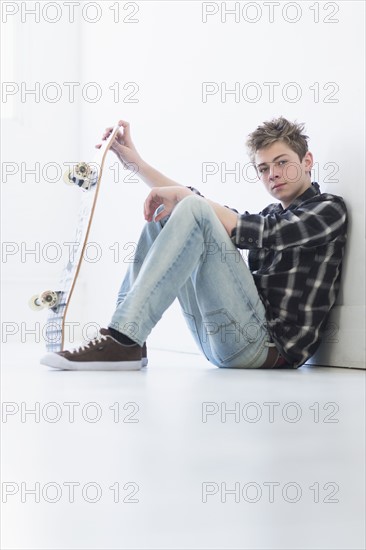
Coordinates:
189	201
195	204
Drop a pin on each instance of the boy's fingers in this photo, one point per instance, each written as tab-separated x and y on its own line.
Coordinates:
158	213
149	206
126	127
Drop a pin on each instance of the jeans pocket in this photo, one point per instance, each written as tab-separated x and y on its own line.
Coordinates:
226	335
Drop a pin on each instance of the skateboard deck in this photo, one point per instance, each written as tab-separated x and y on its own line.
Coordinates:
87	176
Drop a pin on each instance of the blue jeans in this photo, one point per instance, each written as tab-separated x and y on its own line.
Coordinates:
191	257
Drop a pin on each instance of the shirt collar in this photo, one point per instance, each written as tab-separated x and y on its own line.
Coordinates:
308	194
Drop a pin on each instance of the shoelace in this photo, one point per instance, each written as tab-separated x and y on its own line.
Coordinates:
86	345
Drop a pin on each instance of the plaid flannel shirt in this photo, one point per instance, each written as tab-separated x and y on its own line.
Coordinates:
295	256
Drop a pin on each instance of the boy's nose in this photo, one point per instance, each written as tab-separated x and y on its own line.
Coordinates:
273	172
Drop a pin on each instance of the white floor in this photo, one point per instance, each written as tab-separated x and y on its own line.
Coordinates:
285	470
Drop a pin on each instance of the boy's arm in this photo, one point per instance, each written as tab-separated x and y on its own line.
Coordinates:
126	151
154	178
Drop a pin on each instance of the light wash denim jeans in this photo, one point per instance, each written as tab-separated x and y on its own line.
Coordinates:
191	257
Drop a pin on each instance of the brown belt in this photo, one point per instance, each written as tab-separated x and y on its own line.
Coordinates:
274	360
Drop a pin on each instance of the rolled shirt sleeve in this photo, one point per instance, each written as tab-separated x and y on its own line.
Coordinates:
314	222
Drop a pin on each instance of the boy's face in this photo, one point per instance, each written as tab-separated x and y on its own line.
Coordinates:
281	171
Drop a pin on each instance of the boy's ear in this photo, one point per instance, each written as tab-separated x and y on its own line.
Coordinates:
309	161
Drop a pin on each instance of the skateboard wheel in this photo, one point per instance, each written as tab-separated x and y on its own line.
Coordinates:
68	177
34	303
48	299
82	170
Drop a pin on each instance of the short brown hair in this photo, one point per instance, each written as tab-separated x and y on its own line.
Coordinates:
278	129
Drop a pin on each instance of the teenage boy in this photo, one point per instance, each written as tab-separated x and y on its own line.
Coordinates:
270	314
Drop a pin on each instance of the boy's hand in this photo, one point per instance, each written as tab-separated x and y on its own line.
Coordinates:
167	197
123	145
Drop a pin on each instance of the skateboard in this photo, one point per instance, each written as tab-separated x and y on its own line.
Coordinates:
87	177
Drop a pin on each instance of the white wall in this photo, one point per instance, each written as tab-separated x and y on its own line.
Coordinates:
165	56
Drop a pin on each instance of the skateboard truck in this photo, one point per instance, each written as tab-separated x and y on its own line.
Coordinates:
83	175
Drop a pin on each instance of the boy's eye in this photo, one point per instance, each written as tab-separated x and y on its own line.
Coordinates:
263	169
282	162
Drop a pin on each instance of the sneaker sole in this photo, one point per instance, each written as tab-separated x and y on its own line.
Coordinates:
57	362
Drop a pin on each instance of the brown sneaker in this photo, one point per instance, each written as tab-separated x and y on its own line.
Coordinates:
144	355
102	353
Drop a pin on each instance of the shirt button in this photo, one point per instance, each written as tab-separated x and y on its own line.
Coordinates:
250	240
242	239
